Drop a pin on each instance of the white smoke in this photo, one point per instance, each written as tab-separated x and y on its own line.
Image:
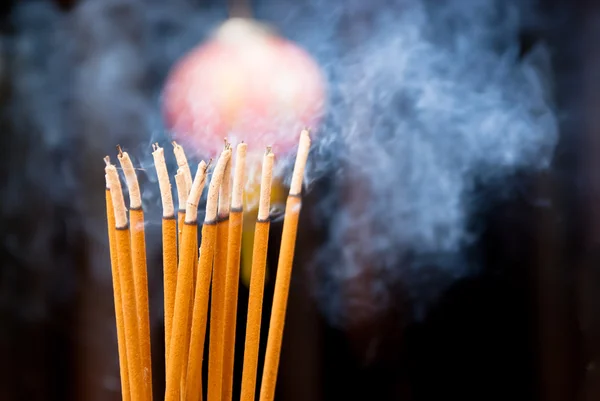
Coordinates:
425	98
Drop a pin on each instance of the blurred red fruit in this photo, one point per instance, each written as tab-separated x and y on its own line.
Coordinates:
246	84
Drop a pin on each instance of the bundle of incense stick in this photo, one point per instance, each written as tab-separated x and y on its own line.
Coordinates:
193	277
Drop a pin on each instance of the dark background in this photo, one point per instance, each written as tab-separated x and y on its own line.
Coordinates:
525	327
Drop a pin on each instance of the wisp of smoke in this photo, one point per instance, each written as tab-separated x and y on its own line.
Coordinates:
424	99
427	99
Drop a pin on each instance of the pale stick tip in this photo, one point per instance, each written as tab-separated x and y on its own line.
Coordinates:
299	166
266	182
191	210
135	195
203	166
305	135
156	150
240	151
107	160
181	189
200	176
182	162
116	192
225	190
238	176
212	202
163	180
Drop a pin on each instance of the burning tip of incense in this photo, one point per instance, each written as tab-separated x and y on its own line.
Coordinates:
155	146
227	144
203	165
305	138
208	164
268	152
120	150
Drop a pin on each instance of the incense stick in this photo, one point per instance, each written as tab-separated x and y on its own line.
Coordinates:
140	275
182	163
169	241
182	195
183	291
284	272
122	239
164	184
193	246
217	265
217	305
116	277
233	271
200	314
257	281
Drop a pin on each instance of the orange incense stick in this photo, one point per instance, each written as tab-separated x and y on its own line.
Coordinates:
140	274
284	272
182	195
193	246
114	263
183	187
182	163
207	250
184	289
217	304
257	281
122	239
169	241
233	271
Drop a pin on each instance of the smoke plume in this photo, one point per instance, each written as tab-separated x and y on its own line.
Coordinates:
425	99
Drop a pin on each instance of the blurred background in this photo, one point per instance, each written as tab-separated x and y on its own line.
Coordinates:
449	243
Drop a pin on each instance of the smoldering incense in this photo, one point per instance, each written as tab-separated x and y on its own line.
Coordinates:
114	262
284	273
182	163
200	311
186	308
217	305
169	241
233	269
177	354
122	237
140	274
257	281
